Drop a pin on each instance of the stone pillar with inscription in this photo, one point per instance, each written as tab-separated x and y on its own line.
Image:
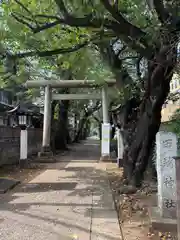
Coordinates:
177	160
166	143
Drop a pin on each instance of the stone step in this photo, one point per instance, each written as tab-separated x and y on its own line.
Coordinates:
160	223
106	159
45	159
7	184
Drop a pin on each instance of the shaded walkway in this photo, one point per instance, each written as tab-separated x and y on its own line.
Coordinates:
68	198
88	150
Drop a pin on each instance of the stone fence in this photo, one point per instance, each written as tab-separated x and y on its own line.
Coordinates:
10	144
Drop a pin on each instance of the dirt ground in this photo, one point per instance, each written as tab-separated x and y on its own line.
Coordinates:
22	174
133	209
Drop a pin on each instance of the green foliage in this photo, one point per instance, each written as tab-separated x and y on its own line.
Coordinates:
61	35
20	37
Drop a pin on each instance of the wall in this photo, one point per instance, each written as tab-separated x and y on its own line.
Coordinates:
175	83
170	107
34	141
5	97
168	111
10	144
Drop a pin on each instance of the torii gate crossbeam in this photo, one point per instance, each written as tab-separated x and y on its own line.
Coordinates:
69	83
76	96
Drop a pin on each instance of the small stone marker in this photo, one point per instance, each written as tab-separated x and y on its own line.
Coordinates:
166	143
120	146
105	142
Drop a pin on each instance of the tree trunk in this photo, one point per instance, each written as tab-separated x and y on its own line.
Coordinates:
61	134
86	130
100	130
151	173
69	140
62	131
99	126
113	128
149	115
80	129
53	126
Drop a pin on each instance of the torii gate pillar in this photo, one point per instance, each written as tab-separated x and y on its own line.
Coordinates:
46	148
106	127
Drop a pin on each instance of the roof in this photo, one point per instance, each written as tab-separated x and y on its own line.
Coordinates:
22	108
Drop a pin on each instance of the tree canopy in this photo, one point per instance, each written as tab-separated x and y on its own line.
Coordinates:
54	29
67	26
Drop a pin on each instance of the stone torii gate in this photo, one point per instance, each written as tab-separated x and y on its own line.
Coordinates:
49	96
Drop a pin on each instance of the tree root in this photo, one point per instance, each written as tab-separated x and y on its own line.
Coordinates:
127	189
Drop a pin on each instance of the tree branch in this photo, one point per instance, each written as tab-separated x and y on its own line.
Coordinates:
26	9
95	108
69	20
97	119
51	52
162	13
23	7
129	33
22	21
24	17
47	16
138	72
45	26
116	63
144	50
127	27
62	8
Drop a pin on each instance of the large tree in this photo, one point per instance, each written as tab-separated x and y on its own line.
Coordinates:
149	28
17	68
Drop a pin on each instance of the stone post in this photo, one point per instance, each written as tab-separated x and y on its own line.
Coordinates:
120	146
23	147
166	143
106	127
105	142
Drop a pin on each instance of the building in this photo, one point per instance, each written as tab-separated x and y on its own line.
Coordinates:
34	117
6	103
9	102
175	84
171	106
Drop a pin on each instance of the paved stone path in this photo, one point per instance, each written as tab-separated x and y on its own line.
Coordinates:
71	198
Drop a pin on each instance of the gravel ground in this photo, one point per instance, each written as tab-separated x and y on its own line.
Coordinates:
133	209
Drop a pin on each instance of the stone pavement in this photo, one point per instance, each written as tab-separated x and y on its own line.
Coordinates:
71	199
